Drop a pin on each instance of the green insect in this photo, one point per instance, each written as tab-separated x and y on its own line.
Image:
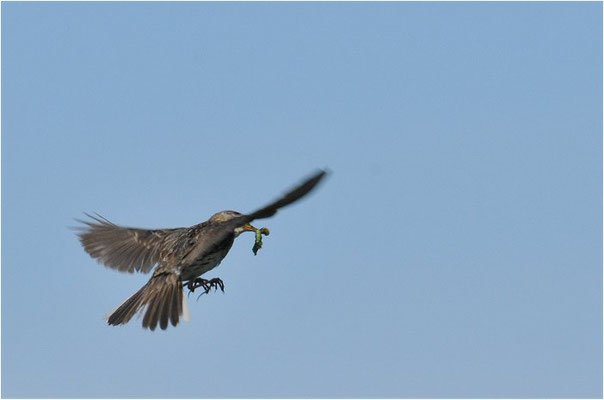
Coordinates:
258	242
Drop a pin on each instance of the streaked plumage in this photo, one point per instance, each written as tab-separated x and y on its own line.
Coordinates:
179	256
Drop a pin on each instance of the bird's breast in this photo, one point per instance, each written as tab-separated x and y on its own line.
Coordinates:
204	264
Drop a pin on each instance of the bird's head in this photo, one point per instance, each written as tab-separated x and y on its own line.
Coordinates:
225	216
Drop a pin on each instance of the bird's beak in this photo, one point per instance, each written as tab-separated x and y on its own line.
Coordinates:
248	228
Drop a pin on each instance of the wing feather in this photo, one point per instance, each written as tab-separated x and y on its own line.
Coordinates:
121	248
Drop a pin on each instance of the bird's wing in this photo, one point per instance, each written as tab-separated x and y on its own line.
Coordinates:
222	231
296	193
121	248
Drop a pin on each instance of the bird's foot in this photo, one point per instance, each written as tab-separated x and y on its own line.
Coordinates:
207	285
194	284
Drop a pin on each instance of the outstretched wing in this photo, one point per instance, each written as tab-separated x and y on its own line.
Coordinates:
227	228
121	248
290	197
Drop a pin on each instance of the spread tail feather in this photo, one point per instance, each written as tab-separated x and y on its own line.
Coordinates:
162	298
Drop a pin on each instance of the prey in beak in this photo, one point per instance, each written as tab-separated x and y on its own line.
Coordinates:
259	233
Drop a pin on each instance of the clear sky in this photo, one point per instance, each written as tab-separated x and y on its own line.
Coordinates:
455	250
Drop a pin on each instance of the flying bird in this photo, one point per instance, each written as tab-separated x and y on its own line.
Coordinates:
178	256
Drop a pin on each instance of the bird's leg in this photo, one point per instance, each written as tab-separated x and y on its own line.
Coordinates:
216	283
207	285
194	284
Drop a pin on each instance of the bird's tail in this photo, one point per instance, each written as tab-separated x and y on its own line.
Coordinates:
162	298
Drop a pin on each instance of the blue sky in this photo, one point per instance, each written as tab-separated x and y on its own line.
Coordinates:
455	251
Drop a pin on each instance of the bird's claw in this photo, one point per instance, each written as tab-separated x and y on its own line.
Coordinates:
216	283
207	285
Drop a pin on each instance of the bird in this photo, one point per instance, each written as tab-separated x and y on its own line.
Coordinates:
177	256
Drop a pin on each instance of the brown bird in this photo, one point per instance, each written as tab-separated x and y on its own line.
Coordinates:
180	256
